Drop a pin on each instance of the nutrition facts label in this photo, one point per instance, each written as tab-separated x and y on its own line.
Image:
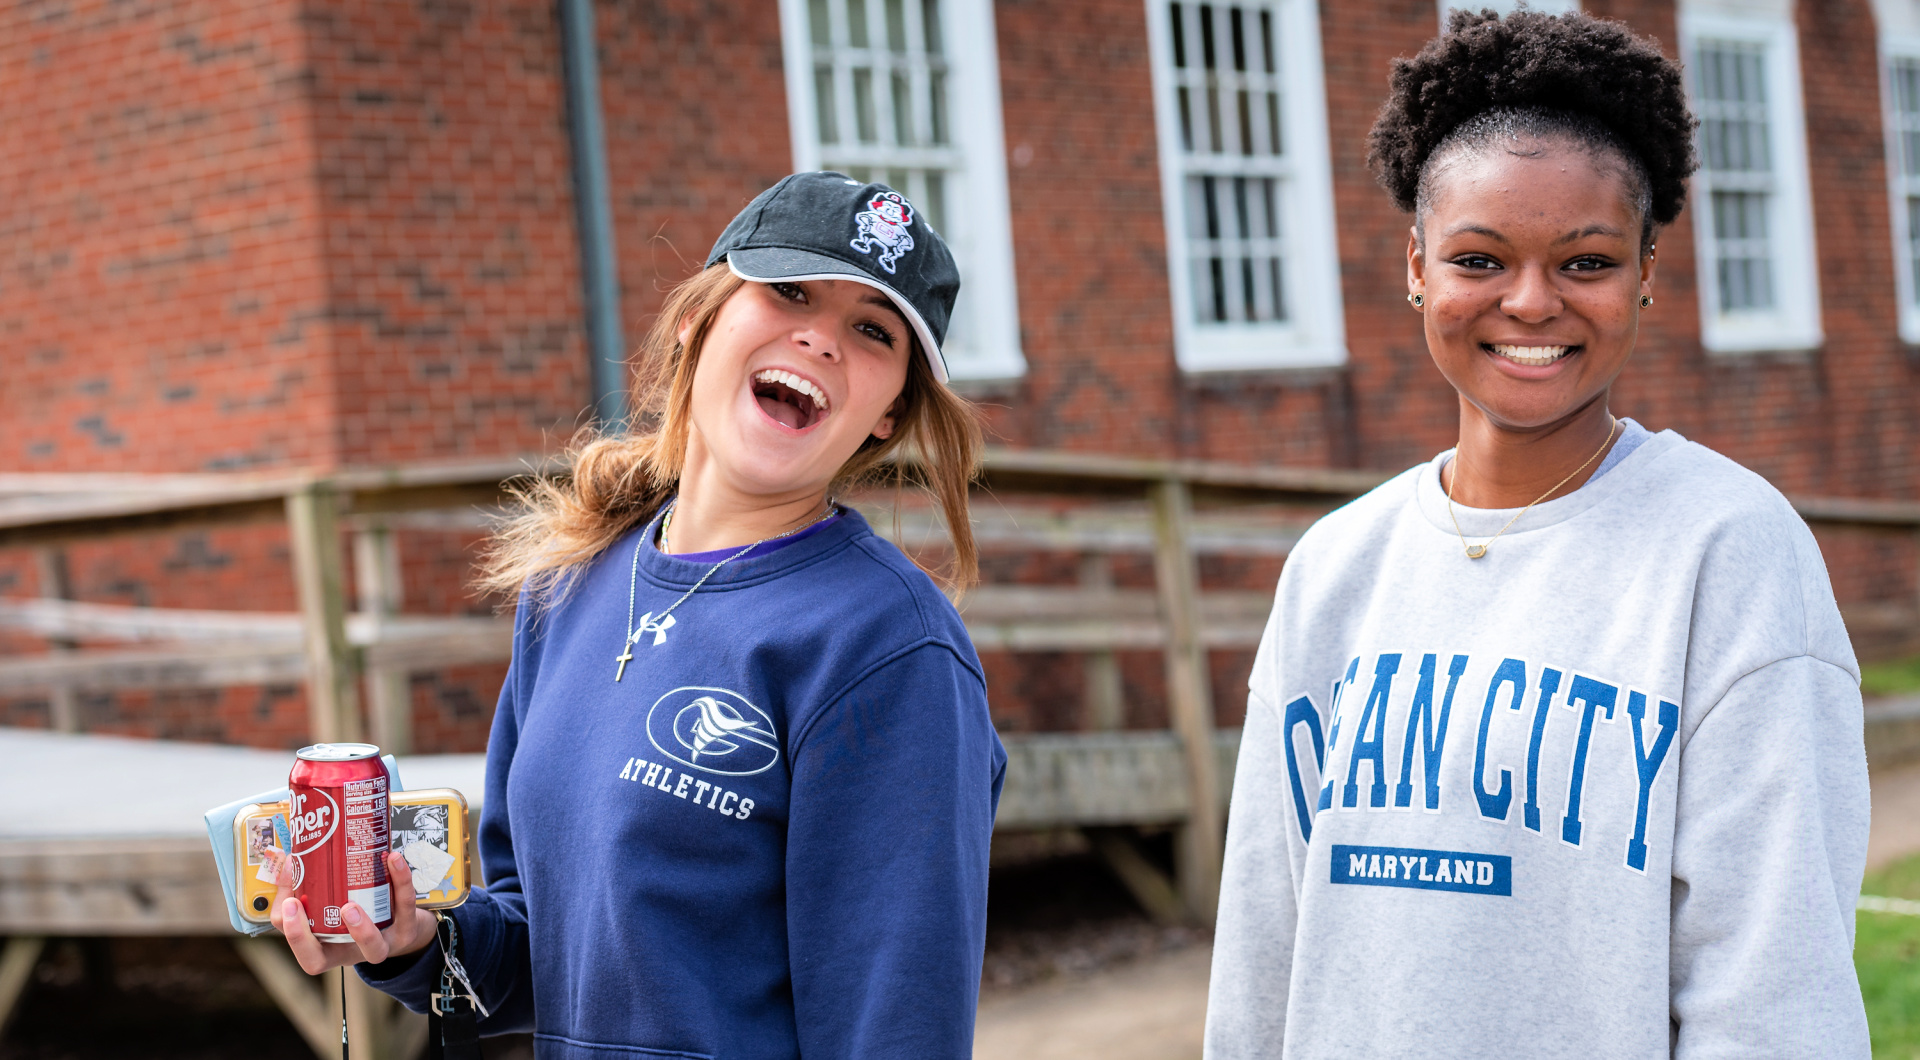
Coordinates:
365	822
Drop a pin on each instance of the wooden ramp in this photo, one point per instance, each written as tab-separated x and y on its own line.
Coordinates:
102	835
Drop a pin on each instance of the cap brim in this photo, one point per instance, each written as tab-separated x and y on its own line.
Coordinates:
776	264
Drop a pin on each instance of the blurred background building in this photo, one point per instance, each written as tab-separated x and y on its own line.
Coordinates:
251	234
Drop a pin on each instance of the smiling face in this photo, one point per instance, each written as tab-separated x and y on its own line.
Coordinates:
792	379
1532	274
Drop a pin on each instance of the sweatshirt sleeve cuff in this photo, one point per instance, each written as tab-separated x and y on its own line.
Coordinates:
409	980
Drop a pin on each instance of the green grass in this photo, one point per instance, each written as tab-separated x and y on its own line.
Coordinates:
1886	953
1901	677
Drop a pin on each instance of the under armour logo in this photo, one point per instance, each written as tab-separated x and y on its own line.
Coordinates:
658	629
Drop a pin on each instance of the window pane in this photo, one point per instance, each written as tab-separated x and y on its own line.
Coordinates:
937	83
824	106
857	23
930	19
820	22
934	205
902	110
1226	85
896	26
1913	243
866	126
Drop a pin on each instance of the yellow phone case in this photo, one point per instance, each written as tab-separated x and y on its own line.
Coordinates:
435	817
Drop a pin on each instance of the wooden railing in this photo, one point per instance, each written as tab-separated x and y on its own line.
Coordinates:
1120	505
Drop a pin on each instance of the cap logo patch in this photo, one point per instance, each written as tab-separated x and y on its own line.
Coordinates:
883	227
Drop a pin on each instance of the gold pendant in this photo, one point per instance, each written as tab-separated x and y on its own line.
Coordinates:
1476	551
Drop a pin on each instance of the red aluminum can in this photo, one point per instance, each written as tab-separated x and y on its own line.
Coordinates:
337	815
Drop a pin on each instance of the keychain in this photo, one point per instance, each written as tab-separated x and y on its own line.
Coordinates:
452	1031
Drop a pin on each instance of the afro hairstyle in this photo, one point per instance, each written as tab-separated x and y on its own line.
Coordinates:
1613	91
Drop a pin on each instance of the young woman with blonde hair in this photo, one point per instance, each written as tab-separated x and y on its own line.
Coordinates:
741	779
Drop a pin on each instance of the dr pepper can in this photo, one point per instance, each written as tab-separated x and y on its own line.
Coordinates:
337	814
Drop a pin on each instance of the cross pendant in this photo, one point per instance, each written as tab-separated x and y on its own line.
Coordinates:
623	661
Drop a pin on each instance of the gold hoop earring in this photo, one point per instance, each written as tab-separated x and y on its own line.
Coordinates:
1646	300
1417	300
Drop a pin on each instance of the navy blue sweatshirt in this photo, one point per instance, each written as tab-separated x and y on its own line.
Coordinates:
768	839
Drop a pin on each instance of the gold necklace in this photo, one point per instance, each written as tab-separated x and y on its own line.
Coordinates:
1476	551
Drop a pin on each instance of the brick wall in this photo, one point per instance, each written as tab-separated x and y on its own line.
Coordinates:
160	259
244	233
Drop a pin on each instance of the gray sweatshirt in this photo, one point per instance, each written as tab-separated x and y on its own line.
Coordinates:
1601	793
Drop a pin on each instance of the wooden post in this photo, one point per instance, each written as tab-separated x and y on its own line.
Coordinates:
376	569
1105	702
333	693
56	583
1148	885
301	997
16	970
1189	697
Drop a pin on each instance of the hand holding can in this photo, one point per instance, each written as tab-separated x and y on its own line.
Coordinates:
411	930
334	888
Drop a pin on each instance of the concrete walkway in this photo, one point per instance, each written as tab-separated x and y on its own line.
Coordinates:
1896	816
1149	1010
1154	1009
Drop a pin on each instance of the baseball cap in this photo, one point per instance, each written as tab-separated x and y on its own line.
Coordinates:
828	226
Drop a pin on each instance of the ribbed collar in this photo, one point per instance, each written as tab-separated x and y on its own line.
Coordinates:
1478	523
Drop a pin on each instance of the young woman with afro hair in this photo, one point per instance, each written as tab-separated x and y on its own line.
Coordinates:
1554	745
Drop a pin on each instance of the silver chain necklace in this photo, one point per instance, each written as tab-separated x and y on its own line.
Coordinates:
659	626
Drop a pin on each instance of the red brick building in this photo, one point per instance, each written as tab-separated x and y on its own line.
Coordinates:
256	233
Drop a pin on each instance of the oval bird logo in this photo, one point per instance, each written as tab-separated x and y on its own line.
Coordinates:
713	730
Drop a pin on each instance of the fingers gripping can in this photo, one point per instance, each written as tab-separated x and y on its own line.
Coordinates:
337	817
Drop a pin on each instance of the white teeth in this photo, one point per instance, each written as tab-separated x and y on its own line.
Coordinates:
1532	356
788	379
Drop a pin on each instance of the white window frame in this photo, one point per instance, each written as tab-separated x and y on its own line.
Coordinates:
979	228
1895	47
1316	336
1794	322
1505	7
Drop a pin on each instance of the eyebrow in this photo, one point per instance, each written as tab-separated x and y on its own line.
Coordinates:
876	298
1590	230
1478	230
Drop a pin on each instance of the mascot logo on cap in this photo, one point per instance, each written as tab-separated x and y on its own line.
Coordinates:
883	226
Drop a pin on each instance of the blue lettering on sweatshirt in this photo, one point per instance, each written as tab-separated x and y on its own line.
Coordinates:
1370	745
1647	762
1302	712
1494	805
1512	686
1549	684
1433	747
1423	870
1597	695
1333	735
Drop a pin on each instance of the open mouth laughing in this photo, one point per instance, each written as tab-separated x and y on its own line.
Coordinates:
788	399
1531	356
